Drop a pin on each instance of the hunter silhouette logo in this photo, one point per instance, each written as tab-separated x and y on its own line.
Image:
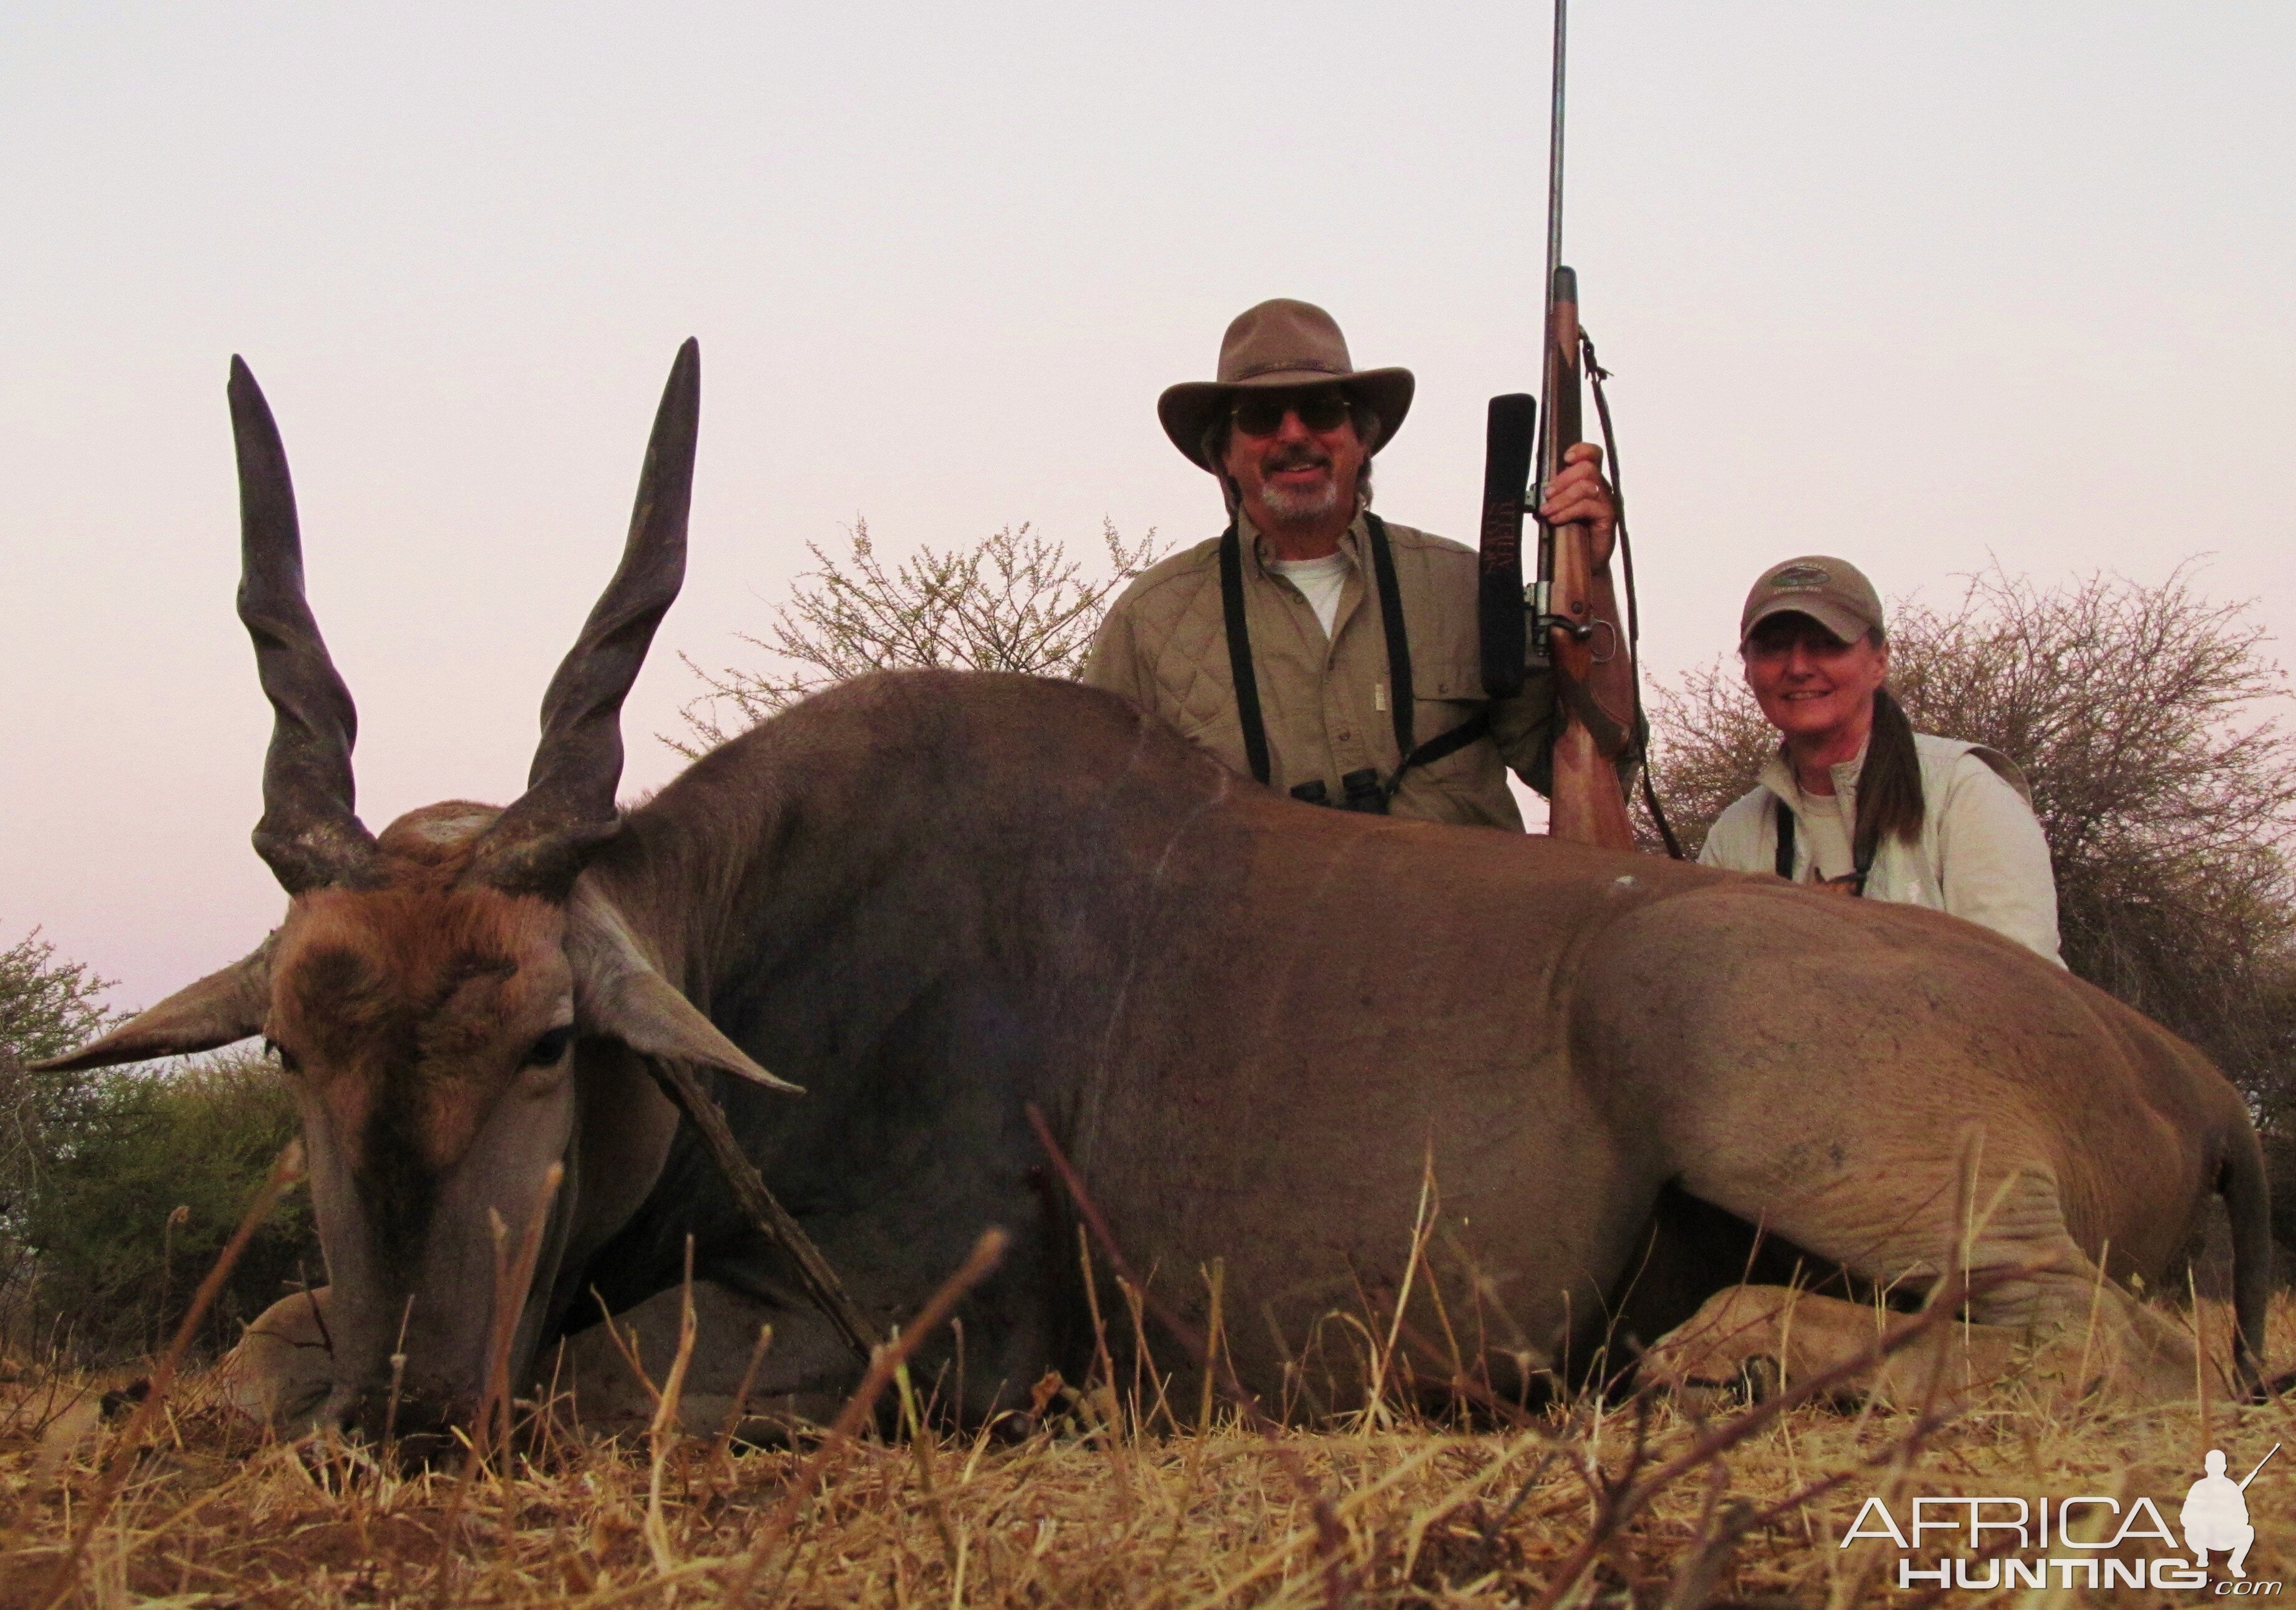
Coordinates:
2076	1538
2215	1514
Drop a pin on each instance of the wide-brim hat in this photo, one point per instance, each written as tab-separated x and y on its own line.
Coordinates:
1832	592
1281	345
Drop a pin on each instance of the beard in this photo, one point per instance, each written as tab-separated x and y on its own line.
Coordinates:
1297	503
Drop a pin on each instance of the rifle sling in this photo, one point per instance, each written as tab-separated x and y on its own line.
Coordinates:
1596	375
1401	697
1609	734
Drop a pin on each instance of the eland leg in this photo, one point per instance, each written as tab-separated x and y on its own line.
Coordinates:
615	1379
281	1370
2032	1283
1755	1341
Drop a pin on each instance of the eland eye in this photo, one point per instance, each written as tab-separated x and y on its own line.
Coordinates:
550	1048
287	1059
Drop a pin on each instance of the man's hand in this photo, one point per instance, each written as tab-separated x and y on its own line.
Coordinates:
1579	495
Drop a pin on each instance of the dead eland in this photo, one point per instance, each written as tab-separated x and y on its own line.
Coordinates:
933	899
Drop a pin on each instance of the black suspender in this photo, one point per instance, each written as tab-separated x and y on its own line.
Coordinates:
1239	655
1399	669
1400	698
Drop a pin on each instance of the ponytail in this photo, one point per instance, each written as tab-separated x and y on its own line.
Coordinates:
1889	802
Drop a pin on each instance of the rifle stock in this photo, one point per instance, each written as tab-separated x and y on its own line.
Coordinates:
1585	642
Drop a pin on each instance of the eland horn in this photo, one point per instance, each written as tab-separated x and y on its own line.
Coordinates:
310	836
539	844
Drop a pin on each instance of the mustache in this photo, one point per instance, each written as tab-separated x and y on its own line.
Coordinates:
1299	458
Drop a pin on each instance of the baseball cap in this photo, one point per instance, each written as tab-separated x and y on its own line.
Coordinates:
1832	592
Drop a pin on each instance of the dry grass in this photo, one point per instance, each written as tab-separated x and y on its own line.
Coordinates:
1087	1511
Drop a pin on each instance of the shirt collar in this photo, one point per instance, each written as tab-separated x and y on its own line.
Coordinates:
1778	776
1353	542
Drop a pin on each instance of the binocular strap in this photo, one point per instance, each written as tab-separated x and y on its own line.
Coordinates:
1856	882
1400	699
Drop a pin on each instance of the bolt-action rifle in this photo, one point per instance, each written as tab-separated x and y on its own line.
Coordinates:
1568	619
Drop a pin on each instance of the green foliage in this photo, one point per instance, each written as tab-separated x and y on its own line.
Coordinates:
119	1186
46	1006
148	1181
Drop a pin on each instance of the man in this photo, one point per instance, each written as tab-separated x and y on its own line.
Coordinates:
1277	647
2215	1516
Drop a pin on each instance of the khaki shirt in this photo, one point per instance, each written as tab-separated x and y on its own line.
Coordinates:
1325	701
1981	855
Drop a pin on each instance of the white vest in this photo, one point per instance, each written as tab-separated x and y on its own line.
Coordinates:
1981	855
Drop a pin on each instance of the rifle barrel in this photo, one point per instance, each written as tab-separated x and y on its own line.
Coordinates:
1559	360
1563	423
1554	160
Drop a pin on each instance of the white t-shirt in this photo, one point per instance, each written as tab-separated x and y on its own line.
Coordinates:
1319	582
1831	850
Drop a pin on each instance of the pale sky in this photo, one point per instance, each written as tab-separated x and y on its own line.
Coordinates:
1917	284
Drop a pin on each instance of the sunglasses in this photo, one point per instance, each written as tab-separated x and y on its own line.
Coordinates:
1319	408
1777	636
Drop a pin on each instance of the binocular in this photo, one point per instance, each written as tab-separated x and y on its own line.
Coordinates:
1363	793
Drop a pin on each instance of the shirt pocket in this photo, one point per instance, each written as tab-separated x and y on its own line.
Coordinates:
1446	693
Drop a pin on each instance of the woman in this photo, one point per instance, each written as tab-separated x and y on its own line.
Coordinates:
1856	799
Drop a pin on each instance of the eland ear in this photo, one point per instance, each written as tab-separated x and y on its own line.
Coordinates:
223	1006
618	993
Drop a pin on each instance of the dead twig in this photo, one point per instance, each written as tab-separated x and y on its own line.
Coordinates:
726	1433
1331	1537
513	1279
987	1254
772	1219
1614	1514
